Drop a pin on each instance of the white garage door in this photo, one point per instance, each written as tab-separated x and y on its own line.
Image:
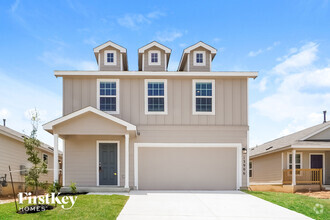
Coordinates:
187	168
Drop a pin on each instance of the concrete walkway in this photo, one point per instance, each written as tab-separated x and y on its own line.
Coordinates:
201	205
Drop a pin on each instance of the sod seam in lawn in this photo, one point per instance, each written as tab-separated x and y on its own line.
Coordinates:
86	207
298	203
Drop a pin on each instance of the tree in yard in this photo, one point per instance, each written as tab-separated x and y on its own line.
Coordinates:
32	144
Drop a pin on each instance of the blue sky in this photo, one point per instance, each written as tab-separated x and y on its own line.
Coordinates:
288	42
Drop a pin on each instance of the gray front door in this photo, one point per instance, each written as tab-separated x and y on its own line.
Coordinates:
108	163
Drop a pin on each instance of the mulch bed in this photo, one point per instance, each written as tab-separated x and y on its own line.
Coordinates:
34	209
73	194
317	194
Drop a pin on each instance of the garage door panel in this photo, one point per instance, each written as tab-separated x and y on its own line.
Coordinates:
184	168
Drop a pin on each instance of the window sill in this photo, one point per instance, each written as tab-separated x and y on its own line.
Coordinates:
156	113
203	113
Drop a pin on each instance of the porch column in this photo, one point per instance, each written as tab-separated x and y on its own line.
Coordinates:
293	167
126	161
55	157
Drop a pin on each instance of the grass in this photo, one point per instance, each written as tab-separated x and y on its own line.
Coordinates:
298	203
86	207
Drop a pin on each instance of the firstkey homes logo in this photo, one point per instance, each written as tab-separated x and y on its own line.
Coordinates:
65	202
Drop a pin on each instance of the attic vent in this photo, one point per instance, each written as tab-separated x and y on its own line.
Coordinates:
269	148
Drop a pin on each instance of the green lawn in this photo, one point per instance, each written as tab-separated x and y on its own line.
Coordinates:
299	203
86	207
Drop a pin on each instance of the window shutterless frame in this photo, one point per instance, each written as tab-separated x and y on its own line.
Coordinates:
150	57
106	57
202	58
99	81
146	96
298	173
194	97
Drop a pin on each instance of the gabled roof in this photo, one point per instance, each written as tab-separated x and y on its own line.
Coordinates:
300	137
112	44
152	44
186	51
49	126
20	137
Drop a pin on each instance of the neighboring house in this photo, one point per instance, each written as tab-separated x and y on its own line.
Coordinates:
13	154
306	153
152	128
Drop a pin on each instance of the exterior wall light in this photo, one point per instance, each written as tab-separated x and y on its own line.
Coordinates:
244	150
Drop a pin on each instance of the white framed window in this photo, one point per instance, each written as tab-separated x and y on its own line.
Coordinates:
203	97
155	96
45	158
298	162
108	95
154	57
199	58
110	57
250	169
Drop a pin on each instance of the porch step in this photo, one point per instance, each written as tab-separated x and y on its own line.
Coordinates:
109	189
326	187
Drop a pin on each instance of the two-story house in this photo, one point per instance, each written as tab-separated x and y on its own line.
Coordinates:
152	128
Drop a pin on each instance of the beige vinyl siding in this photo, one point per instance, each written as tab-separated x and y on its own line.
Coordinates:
160	67
230	101
206	68
116	67
267	169
327	169
13	153
323	135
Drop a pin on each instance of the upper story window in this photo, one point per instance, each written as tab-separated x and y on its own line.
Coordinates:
45	158
110	57
155	96
199	58
203	97
108	95
154	57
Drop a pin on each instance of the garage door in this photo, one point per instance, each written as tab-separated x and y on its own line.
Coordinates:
187	168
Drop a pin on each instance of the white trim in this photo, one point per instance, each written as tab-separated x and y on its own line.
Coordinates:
98	142
105	56
165	63
63	164
200	44
146	110
126	161
315	133
238	147
121	62
158	58
313	147
49	125
323	164
109	43
195	58
194	81
98	81
154	43
160	73
55	158
210	62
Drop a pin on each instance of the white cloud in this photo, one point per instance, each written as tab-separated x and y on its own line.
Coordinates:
17	98
168	36
263	84
302	93
135	21
54	59
260	51
302	58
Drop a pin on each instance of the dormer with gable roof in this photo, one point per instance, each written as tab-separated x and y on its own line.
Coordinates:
111	57
154	57
197	58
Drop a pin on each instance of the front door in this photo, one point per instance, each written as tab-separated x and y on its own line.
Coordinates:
317	162
108	163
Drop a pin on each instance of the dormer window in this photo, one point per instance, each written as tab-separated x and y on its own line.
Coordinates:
110	57
199	58
154	57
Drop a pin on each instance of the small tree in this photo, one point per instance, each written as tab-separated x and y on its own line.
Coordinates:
32	144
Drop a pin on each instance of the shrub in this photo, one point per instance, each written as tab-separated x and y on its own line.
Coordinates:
73	188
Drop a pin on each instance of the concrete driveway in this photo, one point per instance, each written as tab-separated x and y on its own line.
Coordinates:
201	205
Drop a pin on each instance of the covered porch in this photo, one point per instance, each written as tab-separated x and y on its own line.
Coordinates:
96	150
